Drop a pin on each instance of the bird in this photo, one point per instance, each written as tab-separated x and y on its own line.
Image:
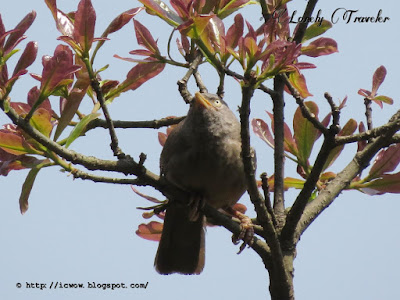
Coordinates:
202	156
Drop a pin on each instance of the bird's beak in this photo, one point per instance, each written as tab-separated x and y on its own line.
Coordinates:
202	101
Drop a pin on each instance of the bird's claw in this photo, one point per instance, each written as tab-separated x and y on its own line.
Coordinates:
246	231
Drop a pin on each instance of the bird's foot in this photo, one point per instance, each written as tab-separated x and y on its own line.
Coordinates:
246	230
196	204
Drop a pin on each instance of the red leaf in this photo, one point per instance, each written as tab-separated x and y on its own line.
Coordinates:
15	163
85	20
386	161
57	68
319	47
364	93
33	96
2	32
63	21
361	144
121	20
151	231
20	29
181	8
145	38
377	79
235	32
141	73
27	58
261	129
14	144
348	129
289	142
389	183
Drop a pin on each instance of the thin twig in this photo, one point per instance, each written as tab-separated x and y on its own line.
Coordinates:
368	113
114	140
265	187
154	124
182	83
334	109
199	82
95	178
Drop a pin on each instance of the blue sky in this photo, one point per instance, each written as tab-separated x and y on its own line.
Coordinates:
79	232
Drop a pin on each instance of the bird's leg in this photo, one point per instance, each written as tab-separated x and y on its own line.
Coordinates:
196	203
246	229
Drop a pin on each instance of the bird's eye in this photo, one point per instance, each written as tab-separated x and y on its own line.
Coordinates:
217	103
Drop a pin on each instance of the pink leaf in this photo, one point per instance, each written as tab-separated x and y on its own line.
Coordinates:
57	68
145	38
27	58
319	47
235	32
20	29
151	231
149	198
141	73
361	144
261	129
85	20
377	79
121	20
389	183
386	161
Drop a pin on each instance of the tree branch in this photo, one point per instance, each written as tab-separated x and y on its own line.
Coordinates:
270	234
367	135
279	156
303	198
302	26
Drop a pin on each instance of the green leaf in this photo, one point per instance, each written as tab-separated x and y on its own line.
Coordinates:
74	99
80	128
299	82
41	120
383	99
26	189
315	30
289	182
159	8
305	133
